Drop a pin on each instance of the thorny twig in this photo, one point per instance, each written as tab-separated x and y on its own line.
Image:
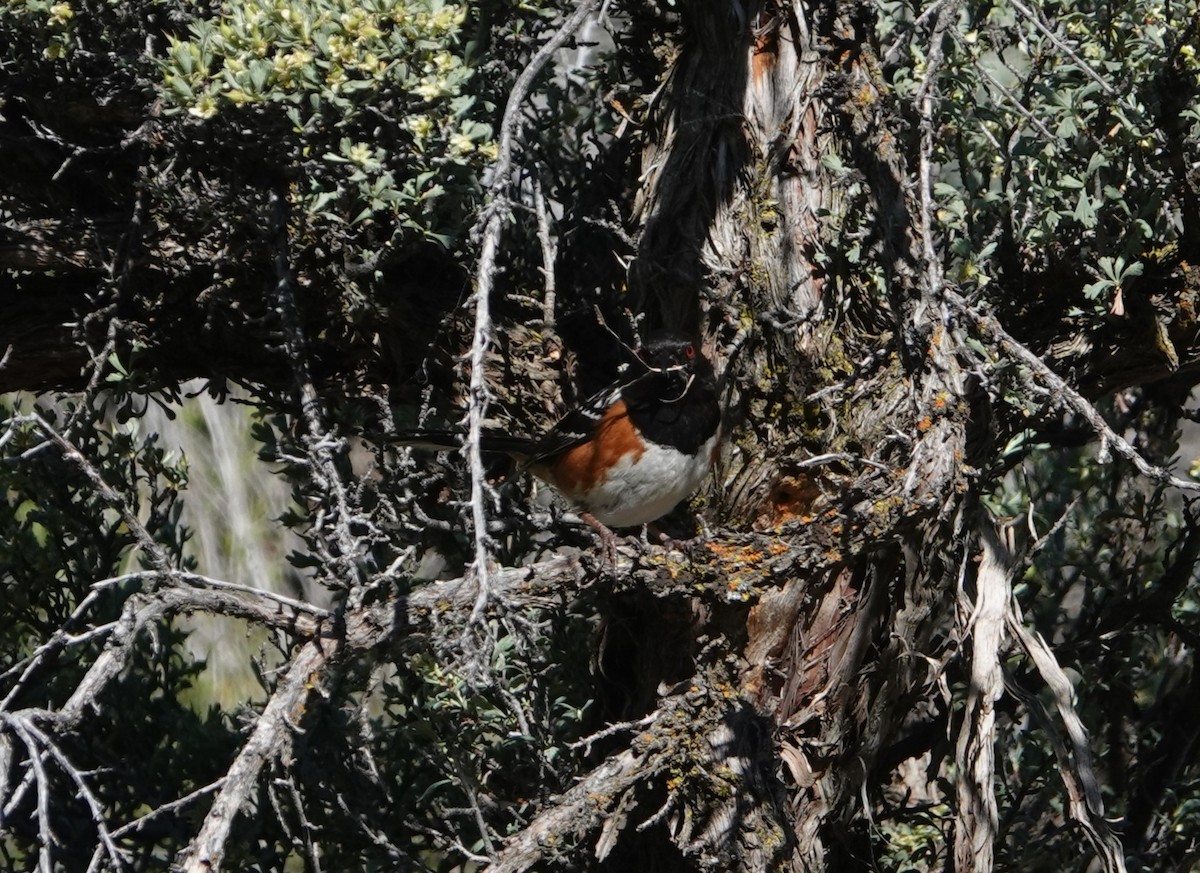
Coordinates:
170	806
42	785
59	639
36	743
320	445
312	849
489	229
610	730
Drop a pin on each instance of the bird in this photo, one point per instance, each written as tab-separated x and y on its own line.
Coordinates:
629	453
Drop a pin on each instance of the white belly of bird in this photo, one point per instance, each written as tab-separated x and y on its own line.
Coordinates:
634	493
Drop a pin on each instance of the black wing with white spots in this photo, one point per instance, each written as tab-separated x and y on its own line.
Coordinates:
576	426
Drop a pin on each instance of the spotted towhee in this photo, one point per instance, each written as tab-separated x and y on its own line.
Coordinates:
631	452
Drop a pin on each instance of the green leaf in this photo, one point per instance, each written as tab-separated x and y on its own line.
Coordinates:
1085	210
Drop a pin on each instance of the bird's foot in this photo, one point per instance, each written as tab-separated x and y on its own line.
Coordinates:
608	539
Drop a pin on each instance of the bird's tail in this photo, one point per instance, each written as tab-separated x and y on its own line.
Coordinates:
453	440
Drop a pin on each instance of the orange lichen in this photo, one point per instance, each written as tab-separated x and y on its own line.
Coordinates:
735	554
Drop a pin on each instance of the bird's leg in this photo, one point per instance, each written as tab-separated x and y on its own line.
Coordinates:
608	539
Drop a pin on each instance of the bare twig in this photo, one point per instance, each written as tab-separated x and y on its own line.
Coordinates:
142	820
502	169
549	254
37	743
57	640
489	229
476	413
82	790
896	52
1067	396
154	552
311	848
1083	65
42	783
610	730
467	786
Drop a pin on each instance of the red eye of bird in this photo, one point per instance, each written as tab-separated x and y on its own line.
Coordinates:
690	351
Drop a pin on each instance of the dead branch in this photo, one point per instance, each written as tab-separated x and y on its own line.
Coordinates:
573	815
271	738
978	818
1084	806
256	605
141	611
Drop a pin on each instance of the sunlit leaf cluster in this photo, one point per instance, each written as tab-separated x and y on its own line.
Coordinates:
343	72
